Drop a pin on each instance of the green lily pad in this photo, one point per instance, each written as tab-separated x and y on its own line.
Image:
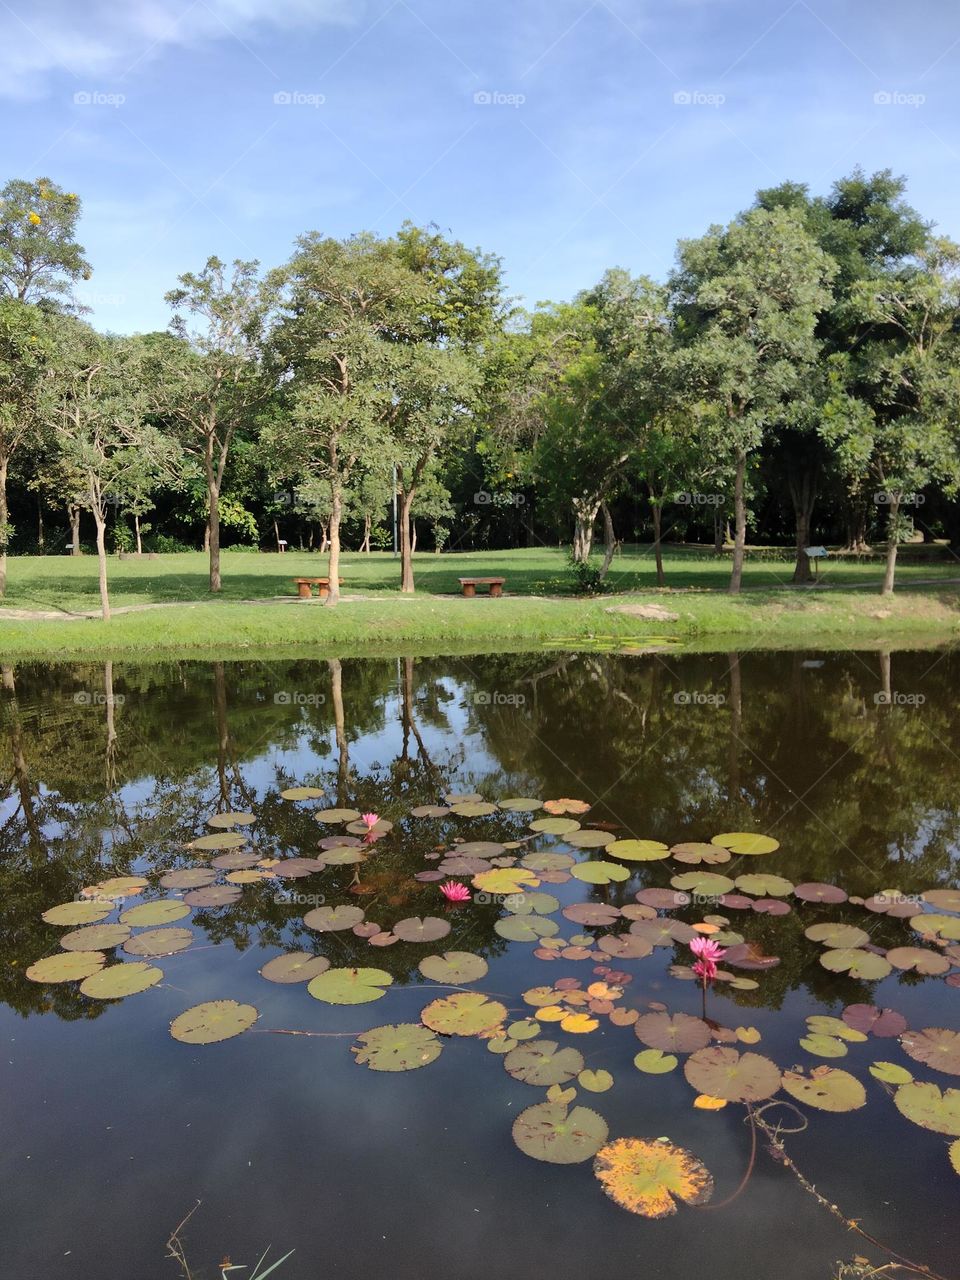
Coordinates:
163	911
859	964
301	793
746	843
933	924
469	1013
77	913
595	1081
350	986
549	1131
826	1088
473	809
590	839
455	967
764	885
212	1021
121	980
67	966
401	1046
524	1029
709	884
654	1062
504	880
599	872
429	811
337	815
543	1063
926	1106
332	919
834	934
638	850
735	1077
532	903
823	1024
526	928
521	804
223	820
824	1046
429	929
340	856
936	1046
95	937
890	1072
295	966
555	826
219	840
547	861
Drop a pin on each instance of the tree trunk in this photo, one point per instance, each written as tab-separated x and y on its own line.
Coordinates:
609	541
276	534
413	535
585	514
4	516
740	516
340	732
41	535
891	567
406	543
206	538
73	515
657	546
102	563
213	528
856	522
333	559
365	545
136	526
324	536
717	533
803	492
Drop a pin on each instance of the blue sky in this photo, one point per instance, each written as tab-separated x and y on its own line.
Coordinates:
603	131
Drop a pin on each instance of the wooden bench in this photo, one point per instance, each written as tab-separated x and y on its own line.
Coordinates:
305	587
469	586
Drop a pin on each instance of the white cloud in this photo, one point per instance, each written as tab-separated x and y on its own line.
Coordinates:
100	38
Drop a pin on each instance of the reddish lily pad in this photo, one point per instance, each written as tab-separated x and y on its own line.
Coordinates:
724	1073
295	966
874	1021
331	919
938	1047
673	1033
694	853
415	929
189	878
920	959
814	891
595	914
213	895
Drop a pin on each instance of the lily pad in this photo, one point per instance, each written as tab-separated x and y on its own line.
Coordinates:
599	872
469	1013
655	1062
547	861
301	793
649	1177
219	840
521	804
693	853
877	1022
67	966
430	811
890	1072
764	885
549	1131
590	839
823	1024
566	805
163	911
945	899
225	820
708	884
415	929
473	809
95	937
295	966
826	1088
532	903
116	887
189	878
213	895
925	1105
350	986
663	932
673	1033
401	1046
835	934
456	967
859	964
555	826
595	1081
920	959
526	928
337	815
212	1021
814	891
340	855
504	880
77	913
466	797
934	924
159	942
121	980
824	1046
746	843
736	1077
331	919
543	1062
936	1046
595	914
638	850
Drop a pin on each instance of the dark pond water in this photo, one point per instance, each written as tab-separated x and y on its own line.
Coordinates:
113	1130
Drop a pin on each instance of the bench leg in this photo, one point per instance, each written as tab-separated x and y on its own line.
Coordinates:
304	591
496	590
469	589
323	591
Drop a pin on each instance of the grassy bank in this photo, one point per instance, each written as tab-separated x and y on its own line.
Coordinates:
163	607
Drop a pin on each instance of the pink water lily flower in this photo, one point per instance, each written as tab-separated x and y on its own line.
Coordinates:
707	949
705	970
369	819
453	891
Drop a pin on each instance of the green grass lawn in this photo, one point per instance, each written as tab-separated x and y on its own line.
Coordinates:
252	613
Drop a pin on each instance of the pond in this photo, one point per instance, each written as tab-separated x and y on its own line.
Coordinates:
564	1074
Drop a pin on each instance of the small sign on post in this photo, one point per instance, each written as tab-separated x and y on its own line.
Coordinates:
816	554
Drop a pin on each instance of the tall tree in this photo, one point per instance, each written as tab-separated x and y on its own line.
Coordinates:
747	299
24	352
212	381
39	255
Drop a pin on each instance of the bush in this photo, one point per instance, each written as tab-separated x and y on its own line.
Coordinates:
586	578
165	545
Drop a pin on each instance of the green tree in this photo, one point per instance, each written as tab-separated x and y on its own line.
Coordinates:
39	255
24	351
747	298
